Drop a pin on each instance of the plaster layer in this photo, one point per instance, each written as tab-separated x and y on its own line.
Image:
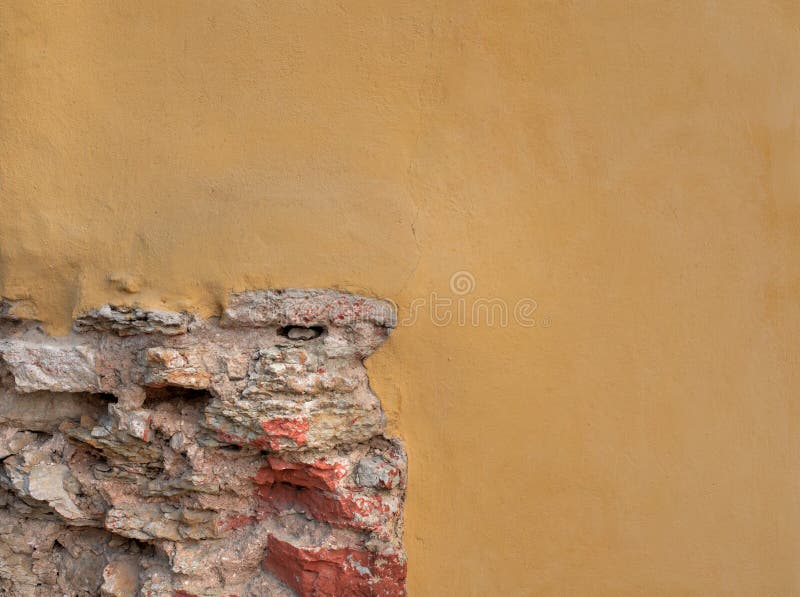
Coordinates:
156	453
630	165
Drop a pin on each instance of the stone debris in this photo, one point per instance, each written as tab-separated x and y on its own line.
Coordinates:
157	454
50	367
302	333
180	368
129	321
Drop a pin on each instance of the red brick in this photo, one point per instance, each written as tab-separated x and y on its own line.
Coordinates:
347	572
318	475
294	429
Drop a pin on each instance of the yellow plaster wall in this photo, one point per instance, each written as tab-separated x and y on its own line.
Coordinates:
632	166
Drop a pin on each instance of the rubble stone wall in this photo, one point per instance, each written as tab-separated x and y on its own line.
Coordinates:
155	453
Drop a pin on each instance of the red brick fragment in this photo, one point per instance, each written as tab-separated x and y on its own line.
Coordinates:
318	475
294	429
322	572
346	508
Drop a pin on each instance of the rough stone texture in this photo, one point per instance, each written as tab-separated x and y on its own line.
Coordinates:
154	453
128	321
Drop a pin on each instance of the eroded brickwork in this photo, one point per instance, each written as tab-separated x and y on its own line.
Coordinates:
155	453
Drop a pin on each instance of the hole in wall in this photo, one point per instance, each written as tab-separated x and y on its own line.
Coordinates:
172	398
300	333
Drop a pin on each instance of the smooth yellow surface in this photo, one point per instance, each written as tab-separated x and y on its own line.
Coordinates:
632	166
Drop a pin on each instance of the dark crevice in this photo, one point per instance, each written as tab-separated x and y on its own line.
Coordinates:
300	333
172	397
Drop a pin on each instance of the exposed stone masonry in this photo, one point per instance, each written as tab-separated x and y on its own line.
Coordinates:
155	453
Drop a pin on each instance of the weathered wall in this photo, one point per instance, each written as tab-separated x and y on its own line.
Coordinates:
160	454
631	166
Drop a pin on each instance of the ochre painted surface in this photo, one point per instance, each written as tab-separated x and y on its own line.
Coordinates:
632	166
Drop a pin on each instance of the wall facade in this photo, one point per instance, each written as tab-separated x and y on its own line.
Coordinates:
625	171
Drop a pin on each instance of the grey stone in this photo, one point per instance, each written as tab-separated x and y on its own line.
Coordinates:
51	367
129	321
